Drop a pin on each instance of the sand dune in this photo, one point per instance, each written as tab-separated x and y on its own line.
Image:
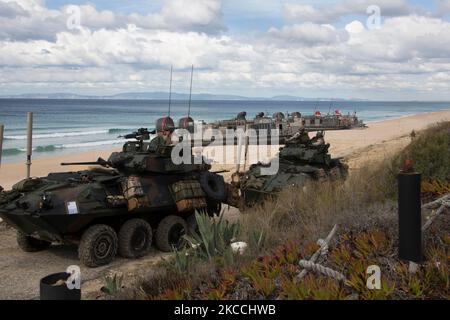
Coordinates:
379	140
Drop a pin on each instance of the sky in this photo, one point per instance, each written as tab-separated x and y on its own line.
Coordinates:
364	49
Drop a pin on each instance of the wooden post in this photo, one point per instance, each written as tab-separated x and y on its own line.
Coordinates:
239	152
2	127
410	217
246	146
29	142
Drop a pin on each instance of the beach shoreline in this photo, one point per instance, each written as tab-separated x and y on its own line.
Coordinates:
384	137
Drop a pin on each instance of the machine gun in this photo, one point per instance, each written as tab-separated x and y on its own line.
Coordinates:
100	162
140	135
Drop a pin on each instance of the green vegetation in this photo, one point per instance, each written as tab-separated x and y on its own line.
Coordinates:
214	237
430	153
113	284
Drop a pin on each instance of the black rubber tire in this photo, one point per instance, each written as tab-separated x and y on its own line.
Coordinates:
30	244
213	185
192	225
135	239
214	208
94	237
169	233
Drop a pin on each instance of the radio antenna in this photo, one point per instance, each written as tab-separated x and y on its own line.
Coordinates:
190	91
170	89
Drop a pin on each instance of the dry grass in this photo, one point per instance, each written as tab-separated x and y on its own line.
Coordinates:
291	224
309	212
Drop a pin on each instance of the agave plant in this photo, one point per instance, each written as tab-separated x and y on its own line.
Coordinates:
214	236
257	240
182	261
113	284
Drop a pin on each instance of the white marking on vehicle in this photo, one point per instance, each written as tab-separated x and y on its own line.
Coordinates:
72	207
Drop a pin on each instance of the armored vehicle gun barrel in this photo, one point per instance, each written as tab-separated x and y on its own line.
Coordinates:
141	134
101	162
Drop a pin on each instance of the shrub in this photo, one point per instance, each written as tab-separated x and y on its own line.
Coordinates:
430	152
214	237
113	284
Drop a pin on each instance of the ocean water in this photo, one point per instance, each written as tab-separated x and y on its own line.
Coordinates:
73	126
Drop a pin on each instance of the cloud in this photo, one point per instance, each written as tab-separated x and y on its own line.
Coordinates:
355	27
308	34
443	6
31	20
329	14
113	52
404	39
175	15
11	10
93	19
144	48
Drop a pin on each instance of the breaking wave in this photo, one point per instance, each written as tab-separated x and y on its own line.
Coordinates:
93	143
50	148
11	151
68	134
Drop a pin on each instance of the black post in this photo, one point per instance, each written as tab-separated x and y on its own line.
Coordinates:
53	287
410	217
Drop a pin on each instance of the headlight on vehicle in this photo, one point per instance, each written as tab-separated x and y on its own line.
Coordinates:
46	201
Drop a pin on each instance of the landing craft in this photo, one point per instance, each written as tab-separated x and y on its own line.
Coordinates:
292	123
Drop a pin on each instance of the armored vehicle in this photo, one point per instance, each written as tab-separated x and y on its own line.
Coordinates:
301	159
118	206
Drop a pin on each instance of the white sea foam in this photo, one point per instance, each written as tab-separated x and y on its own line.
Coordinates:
67	134
93	143
57	135
81	145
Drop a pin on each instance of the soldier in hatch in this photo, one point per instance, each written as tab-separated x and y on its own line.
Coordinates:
300	137
164	130
319	139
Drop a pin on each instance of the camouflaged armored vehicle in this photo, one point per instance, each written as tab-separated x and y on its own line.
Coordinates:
119	206
301	160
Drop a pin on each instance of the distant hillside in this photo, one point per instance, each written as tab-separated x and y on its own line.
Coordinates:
161	96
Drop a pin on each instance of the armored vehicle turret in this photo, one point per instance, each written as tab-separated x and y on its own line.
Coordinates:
301	160
119	205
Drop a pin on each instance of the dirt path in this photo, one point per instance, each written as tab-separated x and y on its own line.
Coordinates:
20	272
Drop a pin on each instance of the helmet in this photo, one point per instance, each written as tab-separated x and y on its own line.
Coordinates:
186	123
278	116
165	124
241	115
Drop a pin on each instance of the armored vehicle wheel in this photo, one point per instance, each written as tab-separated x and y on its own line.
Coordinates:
192	224
170	232
135	238
30	244
213	208
213	185
98	246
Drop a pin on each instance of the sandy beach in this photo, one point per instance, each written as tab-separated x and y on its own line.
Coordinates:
377	141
